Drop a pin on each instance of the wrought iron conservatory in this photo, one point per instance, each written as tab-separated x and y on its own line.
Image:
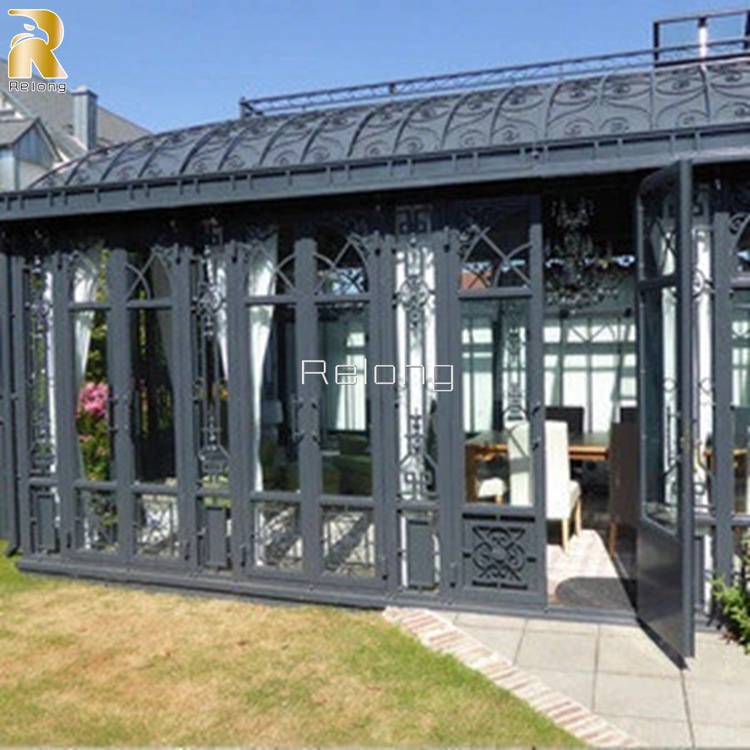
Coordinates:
159	297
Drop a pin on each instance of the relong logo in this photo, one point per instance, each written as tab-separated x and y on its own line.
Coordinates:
28	48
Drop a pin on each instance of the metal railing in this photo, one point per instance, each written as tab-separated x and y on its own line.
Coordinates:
515	75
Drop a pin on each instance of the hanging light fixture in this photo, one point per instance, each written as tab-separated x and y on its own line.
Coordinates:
578	274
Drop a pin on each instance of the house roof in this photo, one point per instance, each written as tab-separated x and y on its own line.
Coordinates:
12	130
615	121
56	112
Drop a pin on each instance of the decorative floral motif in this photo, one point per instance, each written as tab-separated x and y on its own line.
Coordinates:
498	555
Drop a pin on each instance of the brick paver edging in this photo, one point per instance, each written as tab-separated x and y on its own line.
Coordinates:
440	635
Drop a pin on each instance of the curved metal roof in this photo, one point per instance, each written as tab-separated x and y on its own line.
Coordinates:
615	105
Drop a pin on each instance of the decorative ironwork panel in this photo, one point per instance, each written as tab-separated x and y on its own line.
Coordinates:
211	351
703	294
741	399
156	525
278	536
414	299
739	224
501	553
41	368
97	520
348	540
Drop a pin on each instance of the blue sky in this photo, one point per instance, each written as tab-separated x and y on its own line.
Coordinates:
171	63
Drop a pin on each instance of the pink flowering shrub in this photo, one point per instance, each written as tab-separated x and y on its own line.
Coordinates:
92	399
93	430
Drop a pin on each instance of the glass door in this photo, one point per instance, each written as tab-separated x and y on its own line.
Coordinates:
316	497
665	380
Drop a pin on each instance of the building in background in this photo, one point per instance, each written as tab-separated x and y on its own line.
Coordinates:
40	130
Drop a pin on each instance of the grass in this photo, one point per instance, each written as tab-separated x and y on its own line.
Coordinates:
85	664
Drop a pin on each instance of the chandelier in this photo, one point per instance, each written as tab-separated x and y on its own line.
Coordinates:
578	273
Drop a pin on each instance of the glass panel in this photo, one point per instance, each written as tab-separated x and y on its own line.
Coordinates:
95	436
340	264
659	234
152	400
660	397
344	404
96	520
495	410
743	242
348	540
41	370
89	281
741	398
271	266
149	275
210	368
156	525
274	377
278	538
495	245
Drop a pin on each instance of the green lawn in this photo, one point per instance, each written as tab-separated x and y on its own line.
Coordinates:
85	664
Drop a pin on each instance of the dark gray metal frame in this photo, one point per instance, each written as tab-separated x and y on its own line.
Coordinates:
730	217
387	229
404	195
665	552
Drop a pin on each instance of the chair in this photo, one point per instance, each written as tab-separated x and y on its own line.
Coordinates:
562	494
629	414
492	488
624	450
571	415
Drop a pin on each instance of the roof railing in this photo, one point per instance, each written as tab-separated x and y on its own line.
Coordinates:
518	75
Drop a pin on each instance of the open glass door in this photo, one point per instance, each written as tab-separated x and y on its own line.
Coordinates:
665	384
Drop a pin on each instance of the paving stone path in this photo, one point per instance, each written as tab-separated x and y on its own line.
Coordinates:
608	685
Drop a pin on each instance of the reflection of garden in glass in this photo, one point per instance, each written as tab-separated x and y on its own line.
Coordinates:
92	417
92	407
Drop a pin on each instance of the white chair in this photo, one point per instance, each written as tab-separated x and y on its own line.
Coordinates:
562	494
492	488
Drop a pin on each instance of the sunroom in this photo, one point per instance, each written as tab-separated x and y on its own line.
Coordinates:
475	341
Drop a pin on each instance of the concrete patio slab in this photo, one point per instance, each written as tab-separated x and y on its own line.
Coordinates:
719	735
544	625
578	685
655	732
718	660
569	651
634	654
640	697
503	640
712	703
494	622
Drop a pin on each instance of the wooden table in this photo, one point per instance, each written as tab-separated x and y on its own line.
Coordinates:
591	446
